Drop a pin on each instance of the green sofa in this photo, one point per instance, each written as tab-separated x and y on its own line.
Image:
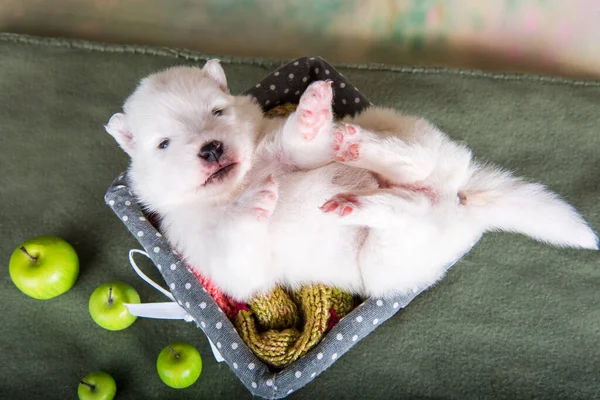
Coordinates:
514	319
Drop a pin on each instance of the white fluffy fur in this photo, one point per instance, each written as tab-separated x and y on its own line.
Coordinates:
401	202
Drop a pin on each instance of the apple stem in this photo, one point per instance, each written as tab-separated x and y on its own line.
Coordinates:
24	250
110	299
173	351
93	387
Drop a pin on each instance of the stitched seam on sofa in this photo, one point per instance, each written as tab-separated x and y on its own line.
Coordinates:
270	63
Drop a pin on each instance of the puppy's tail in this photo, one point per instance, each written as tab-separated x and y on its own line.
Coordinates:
502	202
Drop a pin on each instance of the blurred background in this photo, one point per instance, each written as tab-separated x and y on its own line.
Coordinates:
554	37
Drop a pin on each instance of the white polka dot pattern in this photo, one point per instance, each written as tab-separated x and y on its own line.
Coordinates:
284	86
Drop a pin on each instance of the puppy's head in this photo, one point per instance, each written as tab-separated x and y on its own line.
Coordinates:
187	137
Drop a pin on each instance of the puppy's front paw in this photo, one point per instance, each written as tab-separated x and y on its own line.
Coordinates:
260	200
314	109
342	204
346	143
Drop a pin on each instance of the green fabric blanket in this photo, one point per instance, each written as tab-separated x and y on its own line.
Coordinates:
514	319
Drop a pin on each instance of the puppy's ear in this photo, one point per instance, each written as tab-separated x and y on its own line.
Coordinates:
214	71
117	127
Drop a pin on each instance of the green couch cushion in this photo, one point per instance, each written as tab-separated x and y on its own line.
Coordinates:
513	319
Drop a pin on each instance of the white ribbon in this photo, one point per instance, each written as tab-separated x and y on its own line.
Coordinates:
165	310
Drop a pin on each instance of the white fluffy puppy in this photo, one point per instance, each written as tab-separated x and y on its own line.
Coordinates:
377	205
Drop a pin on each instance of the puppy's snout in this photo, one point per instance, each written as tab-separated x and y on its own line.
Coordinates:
211	151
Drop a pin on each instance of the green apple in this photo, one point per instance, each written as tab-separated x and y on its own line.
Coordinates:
179	365
107	305
44	267
97	386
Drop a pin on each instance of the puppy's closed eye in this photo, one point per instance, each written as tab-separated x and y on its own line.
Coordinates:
217	112
164	144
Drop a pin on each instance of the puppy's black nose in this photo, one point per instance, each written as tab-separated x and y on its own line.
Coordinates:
211	151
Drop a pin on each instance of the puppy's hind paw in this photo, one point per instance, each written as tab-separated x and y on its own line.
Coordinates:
346	145
342	204
314	109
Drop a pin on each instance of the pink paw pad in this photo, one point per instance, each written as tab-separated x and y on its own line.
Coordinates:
342	204
314	109
261	214
346	143
264	199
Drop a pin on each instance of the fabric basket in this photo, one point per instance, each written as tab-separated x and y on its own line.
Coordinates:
281	87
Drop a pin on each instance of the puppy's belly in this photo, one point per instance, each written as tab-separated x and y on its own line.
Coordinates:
400	260
309	246
327	255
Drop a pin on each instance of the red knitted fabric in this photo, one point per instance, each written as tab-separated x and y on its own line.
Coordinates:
229	306
333	319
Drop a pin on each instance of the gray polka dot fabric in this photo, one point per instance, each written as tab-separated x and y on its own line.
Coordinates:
282	86
287	83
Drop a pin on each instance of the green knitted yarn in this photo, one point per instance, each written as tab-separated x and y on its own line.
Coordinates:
284	110
281	327
342	302
275	311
